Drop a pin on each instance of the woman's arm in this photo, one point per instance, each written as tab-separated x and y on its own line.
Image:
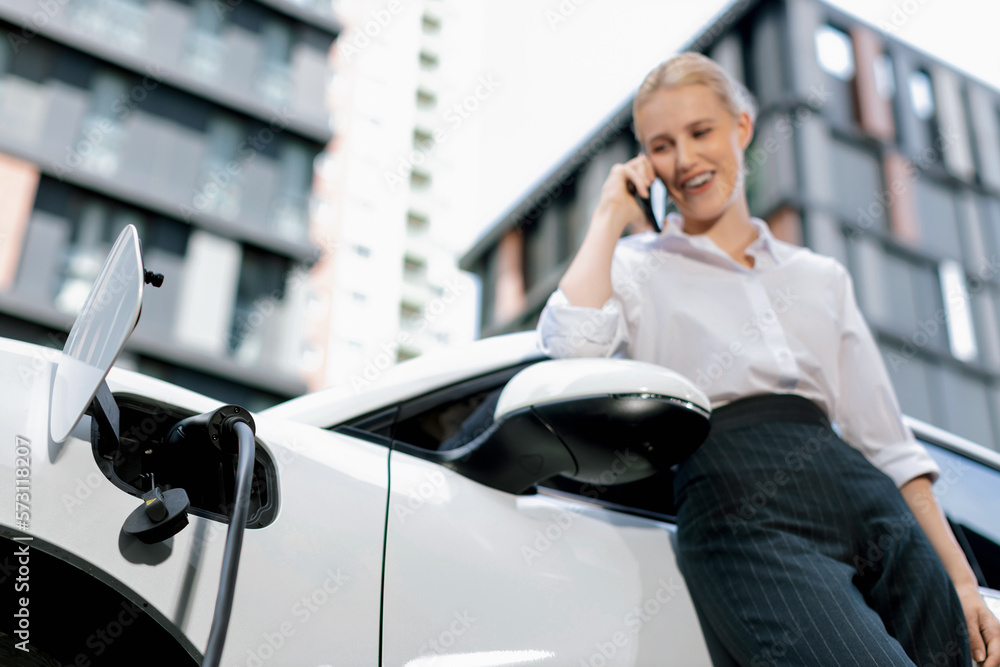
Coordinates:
984	629
587	281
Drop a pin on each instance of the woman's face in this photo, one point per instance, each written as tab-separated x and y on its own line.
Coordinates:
696	148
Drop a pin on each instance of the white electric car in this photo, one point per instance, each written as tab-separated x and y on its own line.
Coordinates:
488	507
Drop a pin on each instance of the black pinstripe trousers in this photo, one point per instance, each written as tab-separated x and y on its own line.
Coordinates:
798	551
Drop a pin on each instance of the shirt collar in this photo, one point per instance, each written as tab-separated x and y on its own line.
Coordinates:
673	236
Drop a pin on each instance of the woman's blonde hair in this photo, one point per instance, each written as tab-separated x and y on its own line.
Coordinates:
688	68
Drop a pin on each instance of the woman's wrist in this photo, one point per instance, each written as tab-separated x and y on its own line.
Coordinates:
966	586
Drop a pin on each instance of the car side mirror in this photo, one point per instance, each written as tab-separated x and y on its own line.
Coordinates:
606	421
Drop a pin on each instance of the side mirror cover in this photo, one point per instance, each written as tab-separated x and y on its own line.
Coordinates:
606	421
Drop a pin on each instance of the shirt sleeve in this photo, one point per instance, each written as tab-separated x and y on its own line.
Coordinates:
866	406
565	330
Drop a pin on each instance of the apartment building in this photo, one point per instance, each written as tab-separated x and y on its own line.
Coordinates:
199	122
865	149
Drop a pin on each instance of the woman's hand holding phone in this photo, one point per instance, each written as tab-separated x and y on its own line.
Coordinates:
587	281
625	197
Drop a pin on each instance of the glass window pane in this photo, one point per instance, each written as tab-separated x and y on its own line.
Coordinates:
916	311
858	191
989	214
967	410
938	218
902	307
834	52
922	94
885	76
908	374
985	313
955	294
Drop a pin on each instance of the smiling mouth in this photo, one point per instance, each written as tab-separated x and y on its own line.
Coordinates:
699	183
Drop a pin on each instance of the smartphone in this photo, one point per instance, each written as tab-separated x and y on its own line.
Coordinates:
646	204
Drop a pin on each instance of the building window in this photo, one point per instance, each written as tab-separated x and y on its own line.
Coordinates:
922	95
939	221
219	190
835	57
290	209
205	50
420	179
885	76
425	99
913	297
260	293
835	52
417	223
361	250
413	267
101	129
431	25
961	333
422	139
429	61
910	376
859	194
116	23
274	76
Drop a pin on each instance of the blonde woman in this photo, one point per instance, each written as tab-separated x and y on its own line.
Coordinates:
776	513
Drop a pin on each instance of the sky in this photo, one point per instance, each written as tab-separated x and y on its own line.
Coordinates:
562	66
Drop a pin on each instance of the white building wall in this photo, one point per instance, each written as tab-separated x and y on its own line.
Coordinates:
364	188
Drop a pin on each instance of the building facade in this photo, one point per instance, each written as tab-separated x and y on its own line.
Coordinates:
389	287
866	150
199	122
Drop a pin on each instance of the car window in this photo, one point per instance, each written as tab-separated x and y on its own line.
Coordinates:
446	417
969	493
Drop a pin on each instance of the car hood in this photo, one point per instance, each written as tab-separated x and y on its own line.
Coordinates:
375	388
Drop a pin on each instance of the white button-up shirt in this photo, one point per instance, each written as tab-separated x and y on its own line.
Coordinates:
790	324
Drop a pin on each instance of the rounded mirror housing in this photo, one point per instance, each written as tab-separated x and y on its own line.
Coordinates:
606	421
